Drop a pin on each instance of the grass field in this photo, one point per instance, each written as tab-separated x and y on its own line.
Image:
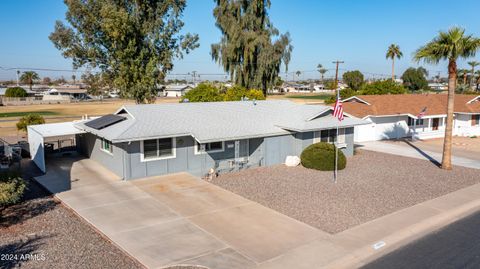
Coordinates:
311	97
21	114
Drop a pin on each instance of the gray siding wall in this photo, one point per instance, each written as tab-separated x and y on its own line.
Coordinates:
91	147
126	159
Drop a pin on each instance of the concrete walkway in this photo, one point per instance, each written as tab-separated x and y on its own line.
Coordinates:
179	219
409	149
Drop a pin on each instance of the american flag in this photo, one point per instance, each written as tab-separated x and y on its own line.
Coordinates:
338	110
422	113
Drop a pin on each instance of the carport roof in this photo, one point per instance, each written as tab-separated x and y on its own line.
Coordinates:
56	129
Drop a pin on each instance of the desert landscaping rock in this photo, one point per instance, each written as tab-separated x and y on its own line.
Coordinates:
373	185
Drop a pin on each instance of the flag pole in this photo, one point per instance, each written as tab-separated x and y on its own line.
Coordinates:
336	145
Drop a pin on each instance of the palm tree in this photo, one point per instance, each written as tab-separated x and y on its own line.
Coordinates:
392	53
463	73
472	64
298	73
29	77
450	46
322	71
74	78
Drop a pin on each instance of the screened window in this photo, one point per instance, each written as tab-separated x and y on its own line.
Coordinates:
106	146
158	148
210	147
475	120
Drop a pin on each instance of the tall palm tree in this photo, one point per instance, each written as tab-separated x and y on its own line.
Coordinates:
464	74
449	46
472	64
392	53
74	78
322	71
29	78
298	73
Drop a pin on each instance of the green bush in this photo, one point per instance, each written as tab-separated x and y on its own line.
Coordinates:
204	92
236	93
30	119
321	156
12	187
16	92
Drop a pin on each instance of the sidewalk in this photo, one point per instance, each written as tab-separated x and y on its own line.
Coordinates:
410	150
361	244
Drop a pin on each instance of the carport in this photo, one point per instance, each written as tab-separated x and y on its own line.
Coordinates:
53	137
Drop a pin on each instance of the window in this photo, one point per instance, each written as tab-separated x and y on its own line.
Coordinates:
106	146
329	136
157	149
411	122
475	120
209	147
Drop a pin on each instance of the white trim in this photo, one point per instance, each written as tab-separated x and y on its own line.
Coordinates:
126	110
356	98
196	144
473	100
105	150
173	156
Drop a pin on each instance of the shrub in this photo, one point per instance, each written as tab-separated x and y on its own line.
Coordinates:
204	92
12	187
382	87
16	92
236	93
30	119
321	156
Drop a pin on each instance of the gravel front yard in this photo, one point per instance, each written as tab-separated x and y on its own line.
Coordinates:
373	185
54	237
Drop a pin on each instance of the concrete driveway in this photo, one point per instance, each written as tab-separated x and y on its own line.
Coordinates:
416	150
179	219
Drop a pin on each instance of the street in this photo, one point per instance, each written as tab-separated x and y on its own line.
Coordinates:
455	246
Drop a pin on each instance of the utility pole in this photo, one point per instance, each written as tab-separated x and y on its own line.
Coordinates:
194	74
336	72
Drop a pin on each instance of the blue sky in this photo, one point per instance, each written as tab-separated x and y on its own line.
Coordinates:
357	32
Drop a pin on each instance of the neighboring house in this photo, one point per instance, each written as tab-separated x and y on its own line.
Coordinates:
438	86
396	116
149	140
176	90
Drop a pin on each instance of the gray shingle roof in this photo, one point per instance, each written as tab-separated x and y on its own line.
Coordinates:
219	121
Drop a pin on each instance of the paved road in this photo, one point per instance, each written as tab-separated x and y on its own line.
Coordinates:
455	246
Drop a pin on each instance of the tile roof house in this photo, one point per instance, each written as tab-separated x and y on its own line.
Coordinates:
147	140
396	116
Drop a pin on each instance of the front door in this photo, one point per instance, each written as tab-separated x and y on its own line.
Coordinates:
435	123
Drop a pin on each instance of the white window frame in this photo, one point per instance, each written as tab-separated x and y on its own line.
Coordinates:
172	156
102	146
198	152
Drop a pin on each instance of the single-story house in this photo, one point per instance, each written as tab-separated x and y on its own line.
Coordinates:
396	116
176	90
149	140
